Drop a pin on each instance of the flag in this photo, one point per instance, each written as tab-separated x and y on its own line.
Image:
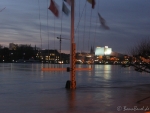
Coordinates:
53	8
65	9
68	1
103	22
92	2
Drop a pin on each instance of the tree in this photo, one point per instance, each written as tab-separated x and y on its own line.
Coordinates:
25	52
141	56
1	46
4	54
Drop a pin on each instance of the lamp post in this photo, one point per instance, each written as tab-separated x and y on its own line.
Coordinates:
60	40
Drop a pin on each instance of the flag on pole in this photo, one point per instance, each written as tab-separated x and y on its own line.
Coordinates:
68	1
53	8
65	9
103	22
92	2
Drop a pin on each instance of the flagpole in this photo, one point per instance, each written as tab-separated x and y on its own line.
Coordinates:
72	23
72	49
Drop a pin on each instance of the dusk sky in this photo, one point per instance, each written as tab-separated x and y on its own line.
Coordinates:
128	20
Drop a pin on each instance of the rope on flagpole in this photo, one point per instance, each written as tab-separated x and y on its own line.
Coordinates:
84	26
54	43
61	19
80	16
48	35
40	23
89	29
96	26
78	30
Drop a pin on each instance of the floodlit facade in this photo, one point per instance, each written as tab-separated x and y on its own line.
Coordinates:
99	51
103	51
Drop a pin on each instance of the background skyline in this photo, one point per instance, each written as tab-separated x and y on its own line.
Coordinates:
129	23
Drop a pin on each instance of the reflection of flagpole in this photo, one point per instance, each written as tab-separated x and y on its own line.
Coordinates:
2	9
71	100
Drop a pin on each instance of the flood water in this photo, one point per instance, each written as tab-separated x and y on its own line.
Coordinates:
24	88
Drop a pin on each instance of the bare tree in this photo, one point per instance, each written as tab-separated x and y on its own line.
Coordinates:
141	56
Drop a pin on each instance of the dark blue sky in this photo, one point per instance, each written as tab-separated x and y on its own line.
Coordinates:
129	22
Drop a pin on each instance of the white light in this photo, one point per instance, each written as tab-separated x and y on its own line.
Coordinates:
108	51
99	51
88	56
103	51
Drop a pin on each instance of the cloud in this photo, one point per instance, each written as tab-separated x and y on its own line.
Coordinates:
128	20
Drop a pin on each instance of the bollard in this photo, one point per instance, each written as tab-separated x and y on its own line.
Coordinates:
68	84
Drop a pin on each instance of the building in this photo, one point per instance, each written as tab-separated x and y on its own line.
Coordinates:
103	51
101	55
52	56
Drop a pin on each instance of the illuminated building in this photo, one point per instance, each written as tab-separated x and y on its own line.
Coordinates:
103	51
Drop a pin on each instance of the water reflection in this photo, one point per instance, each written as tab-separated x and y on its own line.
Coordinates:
42	75
103	71
107	72
71	96
27	89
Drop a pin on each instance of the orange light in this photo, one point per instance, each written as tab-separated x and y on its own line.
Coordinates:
147	112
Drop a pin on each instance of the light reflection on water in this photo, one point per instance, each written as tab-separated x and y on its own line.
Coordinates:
107	72
27	89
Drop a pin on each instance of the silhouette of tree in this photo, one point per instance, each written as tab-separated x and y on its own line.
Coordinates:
141	55
25	52
4	54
